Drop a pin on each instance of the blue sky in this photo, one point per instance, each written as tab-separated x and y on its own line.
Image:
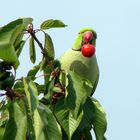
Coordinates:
118	50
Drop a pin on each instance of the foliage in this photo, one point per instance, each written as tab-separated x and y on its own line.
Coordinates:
65	111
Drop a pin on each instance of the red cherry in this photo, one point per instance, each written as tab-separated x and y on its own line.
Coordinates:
87	36
88	50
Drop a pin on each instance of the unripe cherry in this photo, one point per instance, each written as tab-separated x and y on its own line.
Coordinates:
88	50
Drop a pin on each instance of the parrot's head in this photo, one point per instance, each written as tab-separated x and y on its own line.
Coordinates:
85	42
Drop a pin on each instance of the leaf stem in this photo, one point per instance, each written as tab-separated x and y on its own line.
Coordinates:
38	42
42	49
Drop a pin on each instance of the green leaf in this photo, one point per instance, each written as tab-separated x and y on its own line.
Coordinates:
88	116
87	134
42	125
94	115
57	89
50	126
40	88
48	46
32	73
99	120
31	94
51	23
43	63
31	102
34	123
8	35
66	118
17	125
18	39
18	87
4	117
47	73
2	130
82	135
77	92
49	90
32	50
8	54
63	78
7	80
19	47
26	22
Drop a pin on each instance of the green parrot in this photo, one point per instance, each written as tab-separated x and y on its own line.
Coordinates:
81	60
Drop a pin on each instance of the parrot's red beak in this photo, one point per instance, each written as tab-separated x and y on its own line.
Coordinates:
87	37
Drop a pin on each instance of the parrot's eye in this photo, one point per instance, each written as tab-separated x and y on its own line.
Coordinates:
95	36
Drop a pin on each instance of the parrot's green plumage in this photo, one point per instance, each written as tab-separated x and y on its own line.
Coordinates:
86	67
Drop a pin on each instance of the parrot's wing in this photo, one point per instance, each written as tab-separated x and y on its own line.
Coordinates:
95	84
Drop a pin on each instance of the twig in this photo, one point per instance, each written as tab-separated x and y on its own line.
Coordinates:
42	48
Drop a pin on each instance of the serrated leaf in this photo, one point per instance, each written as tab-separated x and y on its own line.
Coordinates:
31	103
41	122
77	92
99	120
31	93
32	50
48	46
51	23
95	116
51	127
66	118
38	126
35	125
8	35
17	125
88	116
